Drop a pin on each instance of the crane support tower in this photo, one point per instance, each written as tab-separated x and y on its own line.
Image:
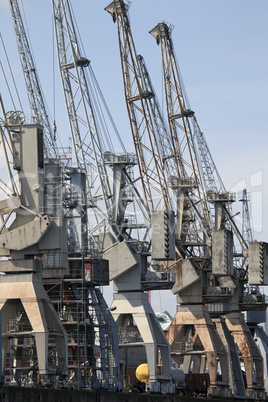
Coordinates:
255	318
33	337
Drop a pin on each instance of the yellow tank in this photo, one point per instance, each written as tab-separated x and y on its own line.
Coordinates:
142	372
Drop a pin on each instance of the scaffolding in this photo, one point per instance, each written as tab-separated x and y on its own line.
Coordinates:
85	316
75	290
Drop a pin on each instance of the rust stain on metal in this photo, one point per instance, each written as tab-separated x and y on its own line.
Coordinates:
178	272
244	349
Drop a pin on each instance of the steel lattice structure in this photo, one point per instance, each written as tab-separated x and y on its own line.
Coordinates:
224	284
138	95
193	211
34	90
85	128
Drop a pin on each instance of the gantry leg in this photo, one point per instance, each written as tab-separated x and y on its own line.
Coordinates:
153	338
26	290
235	373
195	342
250	354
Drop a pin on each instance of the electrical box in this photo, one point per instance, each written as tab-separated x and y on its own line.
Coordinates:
163	235
256	317
16	151
222	252
258	263
97	271
28	159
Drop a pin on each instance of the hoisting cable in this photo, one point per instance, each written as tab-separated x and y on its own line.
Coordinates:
108	113
94	102
54	128
3	71
98	93
103	132
34	63
11	72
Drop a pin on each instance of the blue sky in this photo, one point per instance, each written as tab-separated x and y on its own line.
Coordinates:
221	47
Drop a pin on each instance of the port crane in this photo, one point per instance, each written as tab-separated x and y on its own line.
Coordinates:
89	139
88	321
224	286
110	228
151	145
28	316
